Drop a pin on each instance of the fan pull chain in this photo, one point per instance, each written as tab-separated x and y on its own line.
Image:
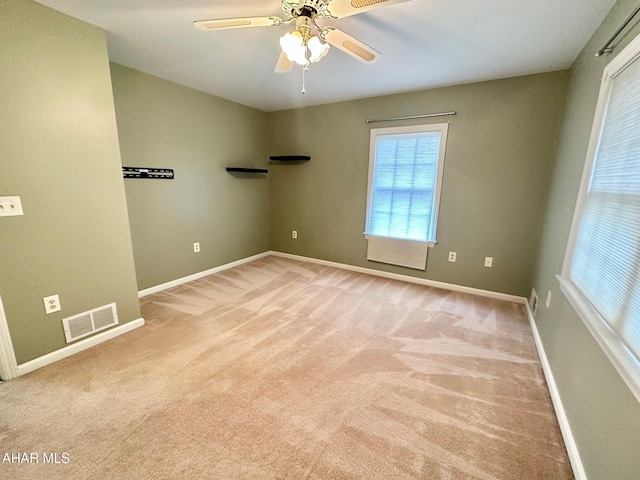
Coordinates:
304	90
305	68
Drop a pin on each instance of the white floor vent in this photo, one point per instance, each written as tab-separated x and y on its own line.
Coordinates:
89	322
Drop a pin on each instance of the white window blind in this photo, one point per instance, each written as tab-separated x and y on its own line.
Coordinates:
601	275
405	174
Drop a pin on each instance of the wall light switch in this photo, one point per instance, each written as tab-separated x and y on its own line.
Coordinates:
10	207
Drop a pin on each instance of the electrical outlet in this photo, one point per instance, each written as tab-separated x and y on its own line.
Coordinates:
51	304
196	247
10	207
547	302
294	234
452	256
533	301
488	262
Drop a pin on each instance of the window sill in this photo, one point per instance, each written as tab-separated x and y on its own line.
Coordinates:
430	243
623	360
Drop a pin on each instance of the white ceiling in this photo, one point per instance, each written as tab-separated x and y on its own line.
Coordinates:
424	43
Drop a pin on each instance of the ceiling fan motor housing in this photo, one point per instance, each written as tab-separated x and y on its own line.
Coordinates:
303	8
303	25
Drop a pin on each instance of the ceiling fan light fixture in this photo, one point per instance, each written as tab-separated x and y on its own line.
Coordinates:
317	49
293	46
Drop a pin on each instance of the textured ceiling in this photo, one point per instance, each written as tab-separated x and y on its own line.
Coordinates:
424	44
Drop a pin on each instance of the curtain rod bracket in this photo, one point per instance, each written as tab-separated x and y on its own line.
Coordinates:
608	48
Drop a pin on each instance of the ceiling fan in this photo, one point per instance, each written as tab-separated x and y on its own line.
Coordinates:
309	42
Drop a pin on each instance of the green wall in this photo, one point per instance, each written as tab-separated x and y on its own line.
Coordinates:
165	125
59	153
498	161
604	415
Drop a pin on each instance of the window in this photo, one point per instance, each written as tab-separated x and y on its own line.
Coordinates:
601	273
405	176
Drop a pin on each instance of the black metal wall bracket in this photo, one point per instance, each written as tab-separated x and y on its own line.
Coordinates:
140	172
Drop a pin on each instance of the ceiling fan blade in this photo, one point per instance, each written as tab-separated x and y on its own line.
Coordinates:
284	64
350	45
244	22
335	9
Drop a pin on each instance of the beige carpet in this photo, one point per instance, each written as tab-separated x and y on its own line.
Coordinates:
287	370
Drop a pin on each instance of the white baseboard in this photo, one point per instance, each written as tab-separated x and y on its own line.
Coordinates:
406	278
563	421
196	276
78	347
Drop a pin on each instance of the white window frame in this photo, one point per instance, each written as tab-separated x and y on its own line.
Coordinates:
425	128
624	361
